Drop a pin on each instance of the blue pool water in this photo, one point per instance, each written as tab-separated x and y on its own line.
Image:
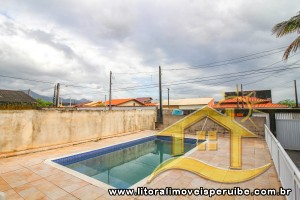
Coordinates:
123	165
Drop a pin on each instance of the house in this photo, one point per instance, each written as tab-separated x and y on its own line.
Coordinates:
129	102
147	101
249	102
90	104
151	104
188	104
11	99
144	100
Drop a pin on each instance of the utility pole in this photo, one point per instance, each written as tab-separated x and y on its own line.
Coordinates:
296	96
110	76
105	102
54	96
57	94
237	95
70	102
160	99
242	95
169	98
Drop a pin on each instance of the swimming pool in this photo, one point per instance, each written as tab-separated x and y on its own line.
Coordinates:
123	165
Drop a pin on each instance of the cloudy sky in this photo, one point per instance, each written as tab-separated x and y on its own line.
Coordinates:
203	47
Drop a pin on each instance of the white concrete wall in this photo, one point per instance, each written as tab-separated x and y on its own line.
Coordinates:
191	107
27	129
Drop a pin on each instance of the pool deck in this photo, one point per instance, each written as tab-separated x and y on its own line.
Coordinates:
28	177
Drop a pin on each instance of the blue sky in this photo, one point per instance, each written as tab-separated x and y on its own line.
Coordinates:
78	43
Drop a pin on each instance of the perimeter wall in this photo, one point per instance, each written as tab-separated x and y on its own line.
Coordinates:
29	129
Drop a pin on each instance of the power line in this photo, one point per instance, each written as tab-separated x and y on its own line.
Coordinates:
48	82
153	72
235	79
214	64
207	78
226	62
39	81
204	77
261	79
278	70
79	86
218	63
236	75
266	77
227	75
222	64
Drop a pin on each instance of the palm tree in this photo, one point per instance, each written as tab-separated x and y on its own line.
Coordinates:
287	27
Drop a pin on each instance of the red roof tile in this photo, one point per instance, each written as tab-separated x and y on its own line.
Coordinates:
269	105
258	105
150	104
115	102
246	98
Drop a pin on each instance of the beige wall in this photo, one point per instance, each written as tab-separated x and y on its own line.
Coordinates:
26	129
257	127
131	103
191	107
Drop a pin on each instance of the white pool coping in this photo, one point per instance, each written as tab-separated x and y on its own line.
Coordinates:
94	181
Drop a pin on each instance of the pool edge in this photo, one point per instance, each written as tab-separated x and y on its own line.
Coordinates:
94	181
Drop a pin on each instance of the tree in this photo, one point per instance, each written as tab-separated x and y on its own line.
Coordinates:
42	103
288	102
288	27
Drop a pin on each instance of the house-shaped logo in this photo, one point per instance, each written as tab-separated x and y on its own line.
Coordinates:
233	175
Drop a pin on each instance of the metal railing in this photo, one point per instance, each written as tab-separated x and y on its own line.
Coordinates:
287	171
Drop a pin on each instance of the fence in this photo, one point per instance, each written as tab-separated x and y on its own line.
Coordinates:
288	173
287	115
288	130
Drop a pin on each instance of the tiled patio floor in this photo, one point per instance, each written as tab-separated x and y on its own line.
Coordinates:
28	177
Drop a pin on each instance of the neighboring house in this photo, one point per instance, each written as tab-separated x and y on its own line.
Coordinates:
90	104
252	102
151	104
147	101
81	104
144	100
11	99
130	102
188	104
95	104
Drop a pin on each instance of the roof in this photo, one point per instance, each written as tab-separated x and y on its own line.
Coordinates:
90	104
143	99
150	104
82	104
12	96
115	102
192	101
259	105
253	102
246	98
